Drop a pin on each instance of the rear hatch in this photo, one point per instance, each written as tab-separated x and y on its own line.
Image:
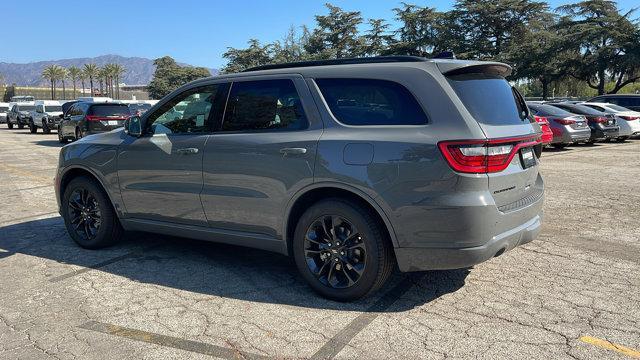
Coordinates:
109	116
502	114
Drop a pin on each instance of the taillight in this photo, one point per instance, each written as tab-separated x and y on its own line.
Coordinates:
630	118
565	121
93	118
483	156
541	120
598	119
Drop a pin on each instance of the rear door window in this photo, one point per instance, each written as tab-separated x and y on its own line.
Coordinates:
371	102
264	105
489	98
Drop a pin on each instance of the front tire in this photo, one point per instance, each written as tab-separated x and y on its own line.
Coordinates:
9	125
88	215
45	128
341	250
32	127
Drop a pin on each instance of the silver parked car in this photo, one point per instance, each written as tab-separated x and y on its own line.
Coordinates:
349	166
567	128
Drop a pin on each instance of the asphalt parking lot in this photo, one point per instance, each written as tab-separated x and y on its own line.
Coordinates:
572	293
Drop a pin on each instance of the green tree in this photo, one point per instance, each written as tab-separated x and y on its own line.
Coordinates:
376	39
117	71
604	43
241	59
91	72
169	76
62	75
418	33
336	33
49	73
75	74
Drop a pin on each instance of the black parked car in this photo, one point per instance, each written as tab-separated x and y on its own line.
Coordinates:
85	118
603	126
630	101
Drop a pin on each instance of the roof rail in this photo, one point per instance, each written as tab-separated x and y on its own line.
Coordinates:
342	61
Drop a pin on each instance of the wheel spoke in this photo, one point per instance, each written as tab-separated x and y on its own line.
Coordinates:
327	229
346	273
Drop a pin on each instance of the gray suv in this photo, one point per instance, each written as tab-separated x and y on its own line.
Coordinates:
350	166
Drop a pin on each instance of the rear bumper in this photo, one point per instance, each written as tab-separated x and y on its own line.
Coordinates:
604	133
421	259
567	135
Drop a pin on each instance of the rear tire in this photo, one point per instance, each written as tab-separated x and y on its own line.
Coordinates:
9	125
353	260
622	139
78	134
88	214
20	125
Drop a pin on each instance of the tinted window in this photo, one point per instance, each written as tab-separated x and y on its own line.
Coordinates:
109	110
66	106
489	98
4	108
27	107
371	102
264	105
617	107
548	110
627	101
579	109
139	109
186	113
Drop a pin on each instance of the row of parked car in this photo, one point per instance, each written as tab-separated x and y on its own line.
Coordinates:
72	119
569	122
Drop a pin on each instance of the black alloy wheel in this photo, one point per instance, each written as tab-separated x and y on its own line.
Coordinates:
88	214
335	251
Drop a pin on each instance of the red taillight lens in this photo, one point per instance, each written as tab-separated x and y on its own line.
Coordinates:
93	118
630	118
541	120
483	156
598	119
565	121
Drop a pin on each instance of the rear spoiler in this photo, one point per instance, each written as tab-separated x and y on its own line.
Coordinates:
474	67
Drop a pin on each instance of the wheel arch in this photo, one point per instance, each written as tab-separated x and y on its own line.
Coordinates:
319	191
75	171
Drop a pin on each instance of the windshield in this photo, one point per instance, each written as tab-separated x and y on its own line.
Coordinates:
4	108
109	110
137	109
53	108
27	107
489	98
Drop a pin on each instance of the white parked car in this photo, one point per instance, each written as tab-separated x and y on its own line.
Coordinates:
45	115
628	120
4	109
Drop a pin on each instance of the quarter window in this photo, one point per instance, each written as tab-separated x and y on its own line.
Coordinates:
264	105
371	102
187	113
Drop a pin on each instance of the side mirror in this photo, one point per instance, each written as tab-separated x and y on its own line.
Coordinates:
133	126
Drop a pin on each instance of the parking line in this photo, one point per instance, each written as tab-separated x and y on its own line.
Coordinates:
170	341
101	264
333	347
32	217
574	150
604	344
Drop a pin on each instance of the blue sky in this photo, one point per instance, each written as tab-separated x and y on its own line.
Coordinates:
194	32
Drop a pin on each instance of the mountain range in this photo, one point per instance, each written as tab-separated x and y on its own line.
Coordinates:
139	71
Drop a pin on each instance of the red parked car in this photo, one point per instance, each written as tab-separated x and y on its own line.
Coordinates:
547	134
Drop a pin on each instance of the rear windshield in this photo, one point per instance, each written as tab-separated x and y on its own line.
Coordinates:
53	108
617	107
109	110
489	98
580	109
548	110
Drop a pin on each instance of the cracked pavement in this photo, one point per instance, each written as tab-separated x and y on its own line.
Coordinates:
155	297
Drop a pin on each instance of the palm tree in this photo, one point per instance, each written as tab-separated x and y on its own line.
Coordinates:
49	73
74	75
91	71
118	71
63	74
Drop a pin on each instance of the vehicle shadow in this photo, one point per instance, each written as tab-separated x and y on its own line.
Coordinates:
51	143
212	269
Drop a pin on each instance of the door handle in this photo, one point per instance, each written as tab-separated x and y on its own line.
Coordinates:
187	151
293	151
